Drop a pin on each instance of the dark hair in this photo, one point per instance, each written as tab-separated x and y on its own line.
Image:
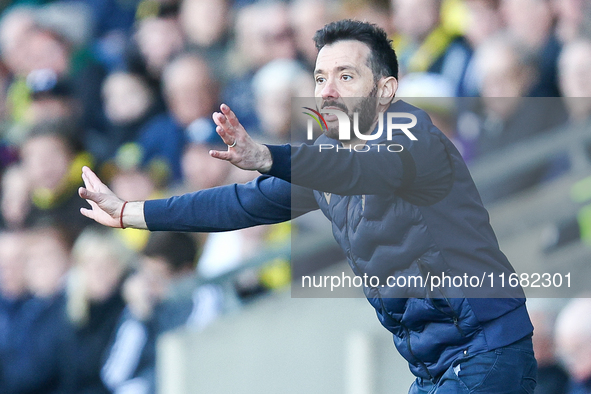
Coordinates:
382	59
178	249
63	128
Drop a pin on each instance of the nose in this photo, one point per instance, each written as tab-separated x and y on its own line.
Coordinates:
329	90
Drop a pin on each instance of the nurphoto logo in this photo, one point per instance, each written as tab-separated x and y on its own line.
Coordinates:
344	124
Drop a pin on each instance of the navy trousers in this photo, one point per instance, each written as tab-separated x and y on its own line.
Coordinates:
508	370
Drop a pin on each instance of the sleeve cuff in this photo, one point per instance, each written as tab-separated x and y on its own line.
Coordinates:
281	167
153	214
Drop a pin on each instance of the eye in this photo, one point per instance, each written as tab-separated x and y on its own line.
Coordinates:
346	77
320	80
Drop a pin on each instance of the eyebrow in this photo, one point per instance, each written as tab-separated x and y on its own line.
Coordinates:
339	68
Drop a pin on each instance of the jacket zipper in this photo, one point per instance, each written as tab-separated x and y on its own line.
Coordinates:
412	353
407	331
349	254
453	314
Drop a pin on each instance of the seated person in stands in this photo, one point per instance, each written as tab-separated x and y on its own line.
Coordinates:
45	180
573	340
162	295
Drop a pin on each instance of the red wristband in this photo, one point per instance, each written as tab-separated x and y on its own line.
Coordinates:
121	214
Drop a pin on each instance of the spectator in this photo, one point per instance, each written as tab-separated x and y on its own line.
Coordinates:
274	85
575	78
14	28
40	50
128	103
15	197
158	40
94	304
162	295
111	15
135	182
50	167
483	22
377	12
206	25
263	33
190	93
13	286
48	99
47	50
505	68
506	75
424	44
434	94
111	23
573	339
573	19
537	38
307	16
200	170
32	361
552	378
51	98
12	275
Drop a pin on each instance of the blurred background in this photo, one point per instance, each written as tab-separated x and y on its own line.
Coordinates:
127	87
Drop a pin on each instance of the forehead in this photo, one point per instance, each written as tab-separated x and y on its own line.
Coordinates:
343	53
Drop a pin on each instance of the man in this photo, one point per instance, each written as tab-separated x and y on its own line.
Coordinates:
573	341
161	296
407	213
190	94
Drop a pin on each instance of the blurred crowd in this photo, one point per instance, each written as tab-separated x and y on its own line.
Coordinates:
127	87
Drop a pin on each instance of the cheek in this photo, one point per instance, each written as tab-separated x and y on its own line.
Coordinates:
360	87
317	90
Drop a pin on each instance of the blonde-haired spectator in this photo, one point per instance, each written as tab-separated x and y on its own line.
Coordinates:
100	264
93	304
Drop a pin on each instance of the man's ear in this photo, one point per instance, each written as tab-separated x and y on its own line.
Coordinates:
387	89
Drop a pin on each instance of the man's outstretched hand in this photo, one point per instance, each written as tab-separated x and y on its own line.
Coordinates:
242	151
105	205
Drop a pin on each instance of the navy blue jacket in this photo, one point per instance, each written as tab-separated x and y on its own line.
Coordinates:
412	213
31	360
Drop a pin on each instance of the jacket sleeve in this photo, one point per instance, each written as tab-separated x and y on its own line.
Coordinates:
266	200
421	172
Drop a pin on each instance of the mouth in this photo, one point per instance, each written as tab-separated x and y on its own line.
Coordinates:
331	117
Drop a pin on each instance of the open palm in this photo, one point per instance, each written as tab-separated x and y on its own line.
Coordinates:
105	205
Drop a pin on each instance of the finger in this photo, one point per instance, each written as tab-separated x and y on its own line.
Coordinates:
85	180
230	115
221	155
228	138
92	178
87	183
224	126
218	118
221	132
221	120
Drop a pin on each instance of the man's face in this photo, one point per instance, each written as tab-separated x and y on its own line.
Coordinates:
189	90
343	71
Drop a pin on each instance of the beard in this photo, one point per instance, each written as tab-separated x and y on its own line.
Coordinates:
365	107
